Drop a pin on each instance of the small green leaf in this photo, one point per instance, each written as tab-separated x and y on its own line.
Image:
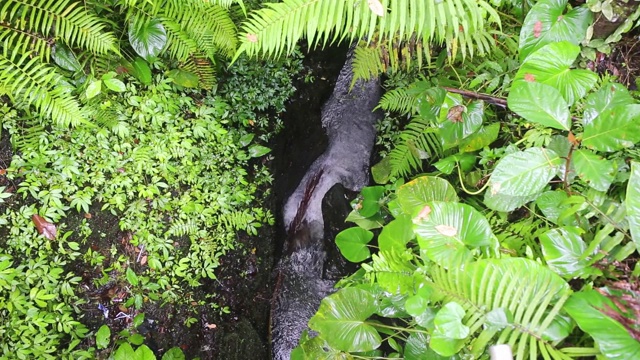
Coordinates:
448	164
353	242
140	69
124	352
370	203
246	139
115	85
416	305
381	171
147	37
131	276
539	103
94	89
144	353
448	321
103	337
175	353
396	234
593	169
136	339
563	251
632	203
258	151
341	320
481	138
138	320
373	222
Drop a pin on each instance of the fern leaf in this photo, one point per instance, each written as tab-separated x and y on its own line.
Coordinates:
278	26
32	82
400	101
203	68
419	141
25	41
60	19
530	294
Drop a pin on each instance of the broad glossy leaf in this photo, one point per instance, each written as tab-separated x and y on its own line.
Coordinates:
448	164
373	222
147	38
258	150
124	352
184	78
417	348
613	340
520	177
448	321
447	231
341	320
539	103
461	123
551	204
175	353
353	242
416	305
550	65
370	203
103	337
632	203
596	171
140	69
614	129
144	353
609	96
481	138
65	58
94	89
562	249
115	85
547	22
396	234
498	319
445	346
414	195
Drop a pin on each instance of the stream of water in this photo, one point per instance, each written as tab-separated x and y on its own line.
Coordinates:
348	119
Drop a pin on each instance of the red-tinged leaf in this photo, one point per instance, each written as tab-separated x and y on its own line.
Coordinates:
537	29
44	227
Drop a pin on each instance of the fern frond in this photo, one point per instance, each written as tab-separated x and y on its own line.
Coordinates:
530	294
399	100
29	134
237	220
60	19
203	68
367	63
278	26
32	82
25	41
183	227
419	141
207	24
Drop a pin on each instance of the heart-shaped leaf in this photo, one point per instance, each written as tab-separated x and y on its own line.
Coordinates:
540	104
414	195
448	321
147	37
396	234
353	242
341	320
520	177
550	65
448	231
462	121
547	22
614	129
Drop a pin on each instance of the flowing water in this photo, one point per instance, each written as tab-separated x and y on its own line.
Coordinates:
348	120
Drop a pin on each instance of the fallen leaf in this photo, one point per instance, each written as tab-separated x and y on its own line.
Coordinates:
424	213
210	326
143	260
87	215
529	77
447	230
44	227
455	113
537	29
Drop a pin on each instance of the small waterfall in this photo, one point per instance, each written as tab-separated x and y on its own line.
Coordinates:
348	119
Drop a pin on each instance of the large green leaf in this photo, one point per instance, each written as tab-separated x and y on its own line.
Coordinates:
633	203
396	234
520	177
340	320
550	65
614	341
614	129
448	321
147	37
481	138
563	249
414	195
353	242
539	103
596	171
461	122
447	231
609	96
547	22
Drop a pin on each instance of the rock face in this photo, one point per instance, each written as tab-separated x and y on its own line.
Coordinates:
348	119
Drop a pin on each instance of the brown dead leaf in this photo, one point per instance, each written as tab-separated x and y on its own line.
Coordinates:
44	227
455	113
210	326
